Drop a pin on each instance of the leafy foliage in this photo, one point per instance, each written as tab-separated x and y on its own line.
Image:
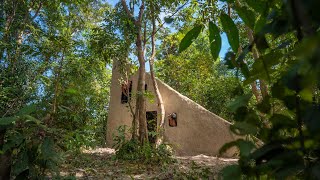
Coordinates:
195	74
52	88
281	120
279	60
132	150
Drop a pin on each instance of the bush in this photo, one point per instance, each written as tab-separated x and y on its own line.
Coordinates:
147	153
132	150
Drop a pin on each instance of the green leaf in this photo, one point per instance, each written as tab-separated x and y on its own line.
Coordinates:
72	91
27	110
246	15
45	80
215	40
231	172
7	120
240	101
168	20
21	163
261	41
190	37
31	119
245	147
265	105
231	30
312	119
263	67
13	141
259	6
243	128
281	121
260	23
47	148
265	150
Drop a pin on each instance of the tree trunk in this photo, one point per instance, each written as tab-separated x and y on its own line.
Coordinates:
263	84
140	102
140	105
155	84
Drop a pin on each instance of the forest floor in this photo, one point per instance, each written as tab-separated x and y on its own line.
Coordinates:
101	164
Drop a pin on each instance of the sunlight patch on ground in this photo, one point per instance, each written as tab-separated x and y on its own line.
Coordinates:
99	151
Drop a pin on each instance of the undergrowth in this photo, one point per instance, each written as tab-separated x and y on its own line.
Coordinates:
132	150
147	153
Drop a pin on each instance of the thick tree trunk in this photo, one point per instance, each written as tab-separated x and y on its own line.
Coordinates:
155	84
141	106
140	102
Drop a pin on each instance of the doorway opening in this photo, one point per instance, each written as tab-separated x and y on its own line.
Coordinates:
152	125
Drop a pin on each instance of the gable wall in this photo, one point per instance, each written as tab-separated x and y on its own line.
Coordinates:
198	132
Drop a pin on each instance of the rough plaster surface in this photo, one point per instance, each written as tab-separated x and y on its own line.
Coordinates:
199	131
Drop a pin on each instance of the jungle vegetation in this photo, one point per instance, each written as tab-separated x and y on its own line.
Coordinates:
55	69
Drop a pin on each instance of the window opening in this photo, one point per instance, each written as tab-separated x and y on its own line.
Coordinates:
145	87
173	120
126	89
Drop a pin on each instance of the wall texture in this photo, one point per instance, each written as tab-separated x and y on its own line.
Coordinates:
198	131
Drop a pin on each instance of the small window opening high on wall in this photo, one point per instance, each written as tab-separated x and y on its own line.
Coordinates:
126	89
173	120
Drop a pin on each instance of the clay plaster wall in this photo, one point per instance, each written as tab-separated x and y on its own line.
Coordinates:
198	132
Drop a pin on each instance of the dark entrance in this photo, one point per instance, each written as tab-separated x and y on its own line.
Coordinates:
152	125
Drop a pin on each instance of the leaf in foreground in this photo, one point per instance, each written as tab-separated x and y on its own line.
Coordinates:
190	37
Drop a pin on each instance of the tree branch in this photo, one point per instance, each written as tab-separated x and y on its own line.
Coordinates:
141	12
123	2
37	12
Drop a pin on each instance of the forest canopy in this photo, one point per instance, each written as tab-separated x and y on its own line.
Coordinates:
56	59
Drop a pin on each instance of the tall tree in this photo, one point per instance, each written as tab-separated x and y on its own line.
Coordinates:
140	112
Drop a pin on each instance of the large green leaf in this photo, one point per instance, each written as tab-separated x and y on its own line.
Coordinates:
21	164
168	20
231	172
215	40
312	119
259	6
260	23
264	66
231	30
265	105
246	15
28	109
190	37
13	142
7	120
243	128
239	102
281	121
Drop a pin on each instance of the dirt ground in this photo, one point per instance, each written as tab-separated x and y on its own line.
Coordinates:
100	164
